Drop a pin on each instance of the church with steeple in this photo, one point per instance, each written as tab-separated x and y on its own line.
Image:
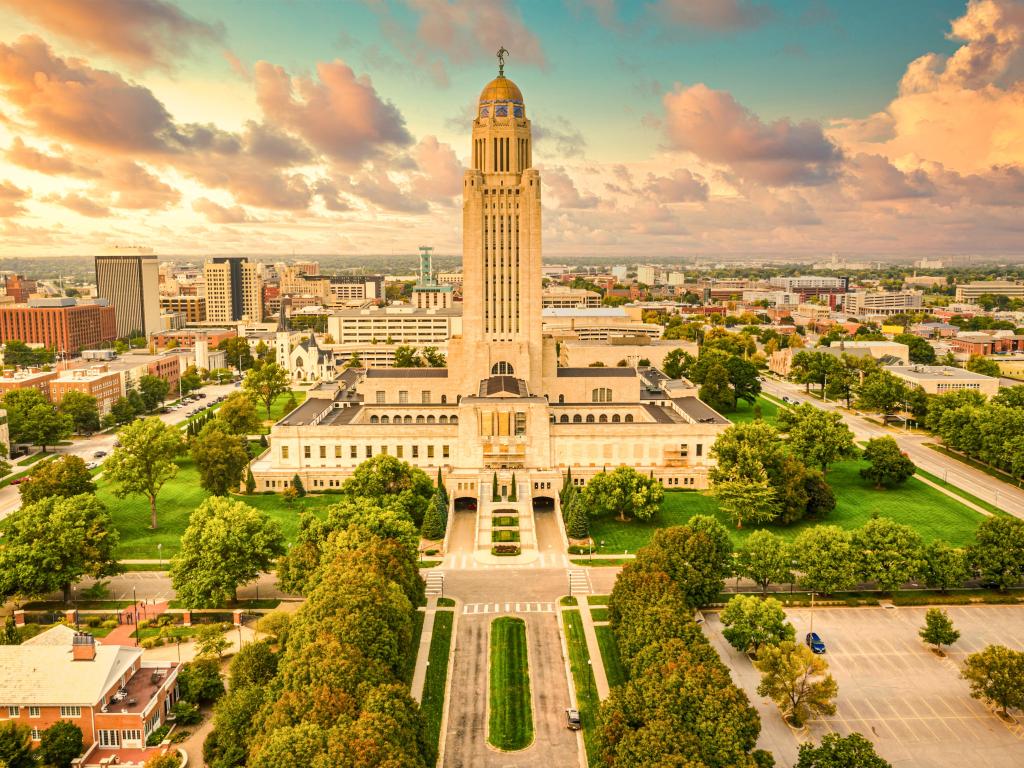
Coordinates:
503	405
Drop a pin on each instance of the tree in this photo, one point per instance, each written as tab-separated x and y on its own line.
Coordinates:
577	524
32	419
887	553
65	476
265	382
938	629
250	482
696	557
81	408
495	493
238	352
9	634
165	760
386	476
623	492
742	499
810	367
434	519
254	664
221	457
889	465
16	745
996	675
199	681
751	622
21	355
764	558
210	640
920	351
825	558
407	357
434	358
816	436
841	382
882	392
189	381
676	364
145	460
997	554
944	566
821	499
715	391
153	391
122	411
797	680
238	414
227	543
60	744
982	365
853	751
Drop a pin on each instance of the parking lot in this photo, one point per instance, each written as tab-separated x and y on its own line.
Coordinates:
894	690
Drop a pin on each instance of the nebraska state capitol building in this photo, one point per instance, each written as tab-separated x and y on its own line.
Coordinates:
502	404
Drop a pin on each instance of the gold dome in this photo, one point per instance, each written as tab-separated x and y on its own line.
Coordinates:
501	89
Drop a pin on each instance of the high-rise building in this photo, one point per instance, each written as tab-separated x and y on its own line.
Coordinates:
234	290
130	281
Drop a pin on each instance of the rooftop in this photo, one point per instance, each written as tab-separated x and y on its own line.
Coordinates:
935	372
699	411
407	373
597	372
47	675
584	312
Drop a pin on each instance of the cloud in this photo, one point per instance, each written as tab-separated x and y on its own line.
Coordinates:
375	186
680	186
140	33
440	177
133	186
10	198
556	137
80	204
338	113
564	189
237	65
716	128
25	156
219	214
328	192
714	15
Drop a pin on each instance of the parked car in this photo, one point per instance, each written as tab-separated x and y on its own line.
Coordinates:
572	719
92	465
814	642
99	454
18	480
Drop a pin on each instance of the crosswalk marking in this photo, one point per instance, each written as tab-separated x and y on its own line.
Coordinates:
579	581
465	561
435	583
525	607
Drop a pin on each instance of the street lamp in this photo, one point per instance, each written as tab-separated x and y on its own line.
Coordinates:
135	605
160	554
590	674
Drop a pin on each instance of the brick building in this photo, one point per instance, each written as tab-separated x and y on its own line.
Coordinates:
27	379
99	381
19	288
64	325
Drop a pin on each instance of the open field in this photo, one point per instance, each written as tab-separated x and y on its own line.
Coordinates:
927	510
175	503
510	726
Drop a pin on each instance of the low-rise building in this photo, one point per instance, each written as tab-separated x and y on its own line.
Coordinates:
192	307
27	379
598	324
396	324
64	325
940	379
780	362
564	297
186	337
1013	289
99	381
881	303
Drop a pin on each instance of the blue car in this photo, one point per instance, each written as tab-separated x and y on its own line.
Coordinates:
815	643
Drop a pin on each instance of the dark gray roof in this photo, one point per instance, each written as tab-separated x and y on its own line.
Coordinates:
699	411
582	373
407	373
662	415
496	385
306	413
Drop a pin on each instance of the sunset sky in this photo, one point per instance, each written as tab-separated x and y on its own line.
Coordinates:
664	128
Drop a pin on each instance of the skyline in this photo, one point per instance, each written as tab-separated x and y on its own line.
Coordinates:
665	129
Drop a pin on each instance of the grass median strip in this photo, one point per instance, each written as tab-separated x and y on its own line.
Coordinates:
511	719
432	705
613	668
583	680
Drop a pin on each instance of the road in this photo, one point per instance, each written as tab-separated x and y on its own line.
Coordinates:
86	447
1006	497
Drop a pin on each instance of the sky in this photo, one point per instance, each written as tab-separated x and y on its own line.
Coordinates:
665	128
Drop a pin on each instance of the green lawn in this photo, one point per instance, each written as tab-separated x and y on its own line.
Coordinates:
613	667
175	503
511	721
930	512
277	408
745	411
432	705
599	614
583	681
410	662
28	460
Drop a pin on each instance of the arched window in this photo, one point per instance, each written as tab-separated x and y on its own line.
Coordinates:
453	420
407	420
431	419
564	419
374	420
561	398
603	418
616	418
629	417
590	418
443	420
444	399
421	420
385	420
397	419
501	368
601	395
577	419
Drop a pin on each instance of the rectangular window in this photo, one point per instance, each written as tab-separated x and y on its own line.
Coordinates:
430	451
13	711
337	451
383	450
36	734
284	451
684	450
131	734
369	451
353	452
403	396
33	711
520	423
700	449
108	738
306	451
398	451
323	451
415	451
425	396
444	451
70	711
380	397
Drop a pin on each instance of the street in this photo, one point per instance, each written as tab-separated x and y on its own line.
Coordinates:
86	447
1006	497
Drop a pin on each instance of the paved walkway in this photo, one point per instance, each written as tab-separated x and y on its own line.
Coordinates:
593	648
419	675
124	634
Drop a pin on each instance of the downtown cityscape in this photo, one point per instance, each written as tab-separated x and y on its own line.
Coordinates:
578	384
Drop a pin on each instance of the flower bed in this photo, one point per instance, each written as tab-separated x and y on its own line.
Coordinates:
505	550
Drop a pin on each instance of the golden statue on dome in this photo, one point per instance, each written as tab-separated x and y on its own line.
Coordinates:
502	53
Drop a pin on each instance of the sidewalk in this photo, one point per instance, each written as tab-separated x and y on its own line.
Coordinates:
124	634
419	675
593	648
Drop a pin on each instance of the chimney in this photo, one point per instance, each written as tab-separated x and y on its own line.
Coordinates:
83	647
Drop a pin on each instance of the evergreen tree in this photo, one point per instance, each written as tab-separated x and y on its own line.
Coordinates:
495	496
578	523
9	634
444	490
514	495
566	501
433	519
250	482
300	489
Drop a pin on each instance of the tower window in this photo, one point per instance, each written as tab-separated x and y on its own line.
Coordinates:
502	368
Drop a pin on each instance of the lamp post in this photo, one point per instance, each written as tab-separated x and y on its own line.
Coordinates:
135	605
160	554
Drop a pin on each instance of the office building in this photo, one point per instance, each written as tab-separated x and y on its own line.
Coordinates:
66	326
971	292
234	290
131	283
192	308
868	303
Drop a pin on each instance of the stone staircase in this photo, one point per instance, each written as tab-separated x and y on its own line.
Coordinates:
522	509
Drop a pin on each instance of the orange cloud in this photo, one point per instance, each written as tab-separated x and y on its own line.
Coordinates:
440	177
219	214
10	197
25	156
80	204
140	33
